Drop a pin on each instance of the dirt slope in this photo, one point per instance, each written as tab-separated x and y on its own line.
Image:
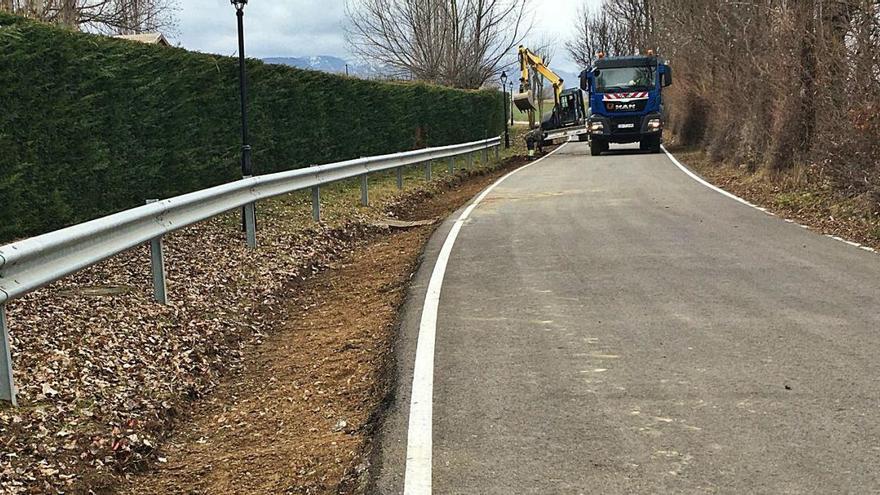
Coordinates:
298	415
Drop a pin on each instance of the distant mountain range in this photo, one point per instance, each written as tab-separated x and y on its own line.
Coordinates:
571	79
336	65
327	63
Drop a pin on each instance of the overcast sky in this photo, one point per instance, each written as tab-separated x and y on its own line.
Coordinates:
296	28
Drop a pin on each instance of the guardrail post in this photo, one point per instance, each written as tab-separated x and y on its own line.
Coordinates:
157	262
316	203
365	191
428	170
250	223
7	385
451	164
400	178
485	155
470	160
496	150
157	257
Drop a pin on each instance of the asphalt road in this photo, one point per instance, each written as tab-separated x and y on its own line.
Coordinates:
609	325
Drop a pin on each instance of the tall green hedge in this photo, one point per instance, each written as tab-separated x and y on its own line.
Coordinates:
91	125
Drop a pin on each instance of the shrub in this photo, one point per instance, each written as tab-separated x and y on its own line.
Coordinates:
92	125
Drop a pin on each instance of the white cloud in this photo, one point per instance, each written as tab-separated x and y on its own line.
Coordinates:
314	27
286	27
555	19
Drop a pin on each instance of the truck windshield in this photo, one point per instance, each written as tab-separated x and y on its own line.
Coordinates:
626	78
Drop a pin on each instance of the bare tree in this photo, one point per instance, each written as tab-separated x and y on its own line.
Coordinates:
104	16
618	28
460	43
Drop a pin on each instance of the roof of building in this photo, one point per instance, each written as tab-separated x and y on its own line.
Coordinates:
150	38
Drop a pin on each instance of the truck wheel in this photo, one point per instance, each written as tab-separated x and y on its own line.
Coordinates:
583	137
597	147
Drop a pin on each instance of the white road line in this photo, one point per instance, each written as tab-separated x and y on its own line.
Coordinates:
703	182
737	198
841	239
419	442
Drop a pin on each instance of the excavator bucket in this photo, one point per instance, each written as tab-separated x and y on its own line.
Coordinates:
525	101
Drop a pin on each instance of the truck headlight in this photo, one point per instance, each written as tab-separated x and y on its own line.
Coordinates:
655	125
596	127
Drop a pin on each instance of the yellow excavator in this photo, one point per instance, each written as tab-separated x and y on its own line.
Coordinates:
525	99
568	118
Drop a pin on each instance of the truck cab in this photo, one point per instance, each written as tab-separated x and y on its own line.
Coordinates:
625	101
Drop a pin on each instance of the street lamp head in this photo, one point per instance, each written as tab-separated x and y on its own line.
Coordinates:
503	78
239	4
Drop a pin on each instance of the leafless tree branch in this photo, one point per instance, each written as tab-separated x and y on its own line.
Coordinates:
461	43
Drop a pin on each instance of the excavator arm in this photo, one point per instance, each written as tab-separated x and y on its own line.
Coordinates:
528	60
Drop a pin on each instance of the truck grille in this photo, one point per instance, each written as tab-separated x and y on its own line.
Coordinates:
629	106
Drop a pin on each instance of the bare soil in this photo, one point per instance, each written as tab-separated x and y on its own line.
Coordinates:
297	417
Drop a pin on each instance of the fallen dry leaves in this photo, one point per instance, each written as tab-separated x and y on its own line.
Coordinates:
105	375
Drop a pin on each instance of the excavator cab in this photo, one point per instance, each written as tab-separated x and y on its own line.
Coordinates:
569	111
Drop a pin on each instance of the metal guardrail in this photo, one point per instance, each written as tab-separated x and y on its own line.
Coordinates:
32	263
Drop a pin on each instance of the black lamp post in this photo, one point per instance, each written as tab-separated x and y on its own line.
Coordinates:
248	212
246	167
510	103
506	105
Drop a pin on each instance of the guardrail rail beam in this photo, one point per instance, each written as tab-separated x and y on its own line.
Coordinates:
29	264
